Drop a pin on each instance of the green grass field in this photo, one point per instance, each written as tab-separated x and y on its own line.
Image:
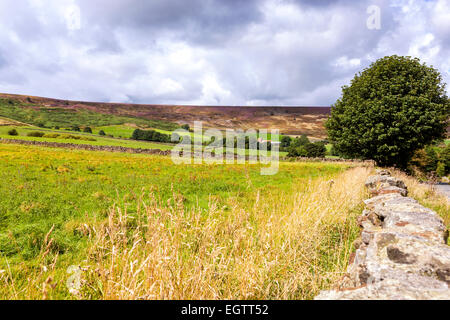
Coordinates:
140	227
34	117
100	140
119	131
126	131
45	188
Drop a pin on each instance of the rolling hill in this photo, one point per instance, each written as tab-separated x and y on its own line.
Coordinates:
51	112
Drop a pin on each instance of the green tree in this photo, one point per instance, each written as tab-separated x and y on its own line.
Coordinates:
102	133
315	150
297	151
285	142
445	158
150	135
137	134
440	169
390	110
302	141
87	130
334	152
13	132
432	158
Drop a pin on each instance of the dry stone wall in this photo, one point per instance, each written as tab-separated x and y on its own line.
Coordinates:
306	159
402	252
166	152
86	147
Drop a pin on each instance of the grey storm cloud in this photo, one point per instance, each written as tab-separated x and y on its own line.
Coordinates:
195	20
227	52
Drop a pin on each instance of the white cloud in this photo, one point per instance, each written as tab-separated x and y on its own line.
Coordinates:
273	52
346	63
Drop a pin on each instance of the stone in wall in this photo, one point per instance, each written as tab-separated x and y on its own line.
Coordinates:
402	252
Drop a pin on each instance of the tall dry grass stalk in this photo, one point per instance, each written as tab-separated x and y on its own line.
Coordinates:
287	246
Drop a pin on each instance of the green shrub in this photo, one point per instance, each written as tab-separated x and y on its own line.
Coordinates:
302	141
445	158
37	134
87	130
70	136
51	135
310	150
431	159
302	147
150	135
88	139
440	170
333	151
285	142
102	133
315	150
297	151
75	137
13	132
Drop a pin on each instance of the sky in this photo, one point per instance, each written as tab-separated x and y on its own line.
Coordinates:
211	52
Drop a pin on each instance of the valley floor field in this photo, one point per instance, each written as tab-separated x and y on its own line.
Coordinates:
98	140
141	226
119	137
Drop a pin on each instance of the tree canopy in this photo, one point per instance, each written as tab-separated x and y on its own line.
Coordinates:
391	109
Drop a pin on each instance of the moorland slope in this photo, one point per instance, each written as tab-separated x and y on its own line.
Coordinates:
289	120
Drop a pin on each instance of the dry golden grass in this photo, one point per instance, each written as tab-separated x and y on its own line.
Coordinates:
285	247
427	195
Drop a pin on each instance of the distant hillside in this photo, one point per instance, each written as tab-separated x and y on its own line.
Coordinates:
290	120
